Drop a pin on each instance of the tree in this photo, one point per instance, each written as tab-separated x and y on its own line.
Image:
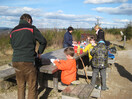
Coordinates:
128	31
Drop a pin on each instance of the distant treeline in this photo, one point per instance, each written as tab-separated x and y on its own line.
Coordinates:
55	37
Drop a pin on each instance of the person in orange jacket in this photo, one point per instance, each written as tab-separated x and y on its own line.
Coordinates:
68	67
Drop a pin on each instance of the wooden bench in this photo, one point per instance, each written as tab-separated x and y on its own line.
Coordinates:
6	72
81	91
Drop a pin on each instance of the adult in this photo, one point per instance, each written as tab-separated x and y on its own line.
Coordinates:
23	41
68	38
99	33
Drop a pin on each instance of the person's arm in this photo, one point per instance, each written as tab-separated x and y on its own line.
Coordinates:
67	39
92	52
86	48
62	65
42	41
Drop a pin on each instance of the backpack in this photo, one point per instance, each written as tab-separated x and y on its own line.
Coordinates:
100	56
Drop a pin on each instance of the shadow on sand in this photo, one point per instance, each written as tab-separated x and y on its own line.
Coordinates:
123	72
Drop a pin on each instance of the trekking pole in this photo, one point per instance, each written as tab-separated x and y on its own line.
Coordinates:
88	81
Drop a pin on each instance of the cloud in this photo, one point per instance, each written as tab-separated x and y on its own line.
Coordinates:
124	9
121	21
10	16
17	11
103	1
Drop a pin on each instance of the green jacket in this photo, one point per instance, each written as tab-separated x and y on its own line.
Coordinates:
23	41
100	56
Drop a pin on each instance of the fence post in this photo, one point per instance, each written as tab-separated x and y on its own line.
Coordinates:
124	43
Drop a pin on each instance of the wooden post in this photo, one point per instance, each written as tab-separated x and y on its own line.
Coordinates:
124	43
55	81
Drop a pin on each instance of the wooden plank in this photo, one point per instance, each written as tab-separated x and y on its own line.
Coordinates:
5	74
55	80
86	92
50	69
81	72
68	90
75	92
96	93
68	97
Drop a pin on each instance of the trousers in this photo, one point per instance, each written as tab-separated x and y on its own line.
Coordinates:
103	77
26	73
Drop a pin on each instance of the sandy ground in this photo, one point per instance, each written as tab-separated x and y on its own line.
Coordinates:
119	80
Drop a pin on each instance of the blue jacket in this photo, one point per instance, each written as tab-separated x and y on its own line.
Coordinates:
68	39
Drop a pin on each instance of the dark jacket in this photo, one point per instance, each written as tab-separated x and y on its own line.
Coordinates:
23	41
68	39
100	35
100	56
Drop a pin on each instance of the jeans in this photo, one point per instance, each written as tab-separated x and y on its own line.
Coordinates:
65	45
103	76
26	73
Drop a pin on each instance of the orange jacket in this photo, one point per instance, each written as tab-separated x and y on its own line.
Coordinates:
68	68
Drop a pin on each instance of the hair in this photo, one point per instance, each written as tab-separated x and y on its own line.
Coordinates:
26	17
70	28
91	38
97	27
69	51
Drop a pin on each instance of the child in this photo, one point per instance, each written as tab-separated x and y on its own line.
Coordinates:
68	67
89	47
99	63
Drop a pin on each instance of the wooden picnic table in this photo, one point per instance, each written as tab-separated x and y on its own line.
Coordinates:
51	69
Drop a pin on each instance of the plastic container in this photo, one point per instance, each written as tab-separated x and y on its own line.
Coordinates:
75	48
78	48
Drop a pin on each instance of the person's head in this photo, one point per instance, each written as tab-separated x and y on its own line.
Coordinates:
27	18
70	29
92	40
97	27
88	37
69	52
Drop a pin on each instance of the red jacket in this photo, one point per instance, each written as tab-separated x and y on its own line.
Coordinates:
68	68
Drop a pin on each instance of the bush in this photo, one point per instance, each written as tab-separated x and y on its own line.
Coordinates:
128	31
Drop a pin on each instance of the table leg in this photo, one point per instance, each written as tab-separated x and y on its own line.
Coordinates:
55	81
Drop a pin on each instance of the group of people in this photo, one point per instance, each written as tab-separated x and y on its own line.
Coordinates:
23	41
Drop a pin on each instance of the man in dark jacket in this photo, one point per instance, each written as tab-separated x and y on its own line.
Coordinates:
68	38
23	41
99	63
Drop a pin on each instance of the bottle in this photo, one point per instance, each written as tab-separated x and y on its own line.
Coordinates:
78	49
81	49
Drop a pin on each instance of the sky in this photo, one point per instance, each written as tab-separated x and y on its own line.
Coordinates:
65	13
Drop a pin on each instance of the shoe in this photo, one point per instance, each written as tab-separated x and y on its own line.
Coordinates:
105	89
98	87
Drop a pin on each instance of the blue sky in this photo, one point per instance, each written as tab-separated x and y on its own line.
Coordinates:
63	13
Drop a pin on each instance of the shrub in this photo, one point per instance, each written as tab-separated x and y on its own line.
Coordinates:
128	31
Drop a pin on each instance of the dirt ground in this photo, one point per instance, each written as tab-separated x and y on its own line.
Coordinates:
119	80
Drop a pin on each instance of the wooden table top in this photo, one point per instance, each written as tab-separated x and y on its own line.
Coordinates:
57	54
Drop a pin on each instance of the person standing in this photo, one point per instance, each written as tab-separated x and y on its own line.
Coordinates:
23	41
99	33
68	38
100	63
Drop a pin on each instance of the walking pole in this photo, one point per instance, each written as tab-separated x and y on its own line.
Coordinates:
88	81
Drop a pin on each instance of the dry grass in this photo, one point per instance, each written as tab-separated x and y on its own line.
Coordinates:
111	37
